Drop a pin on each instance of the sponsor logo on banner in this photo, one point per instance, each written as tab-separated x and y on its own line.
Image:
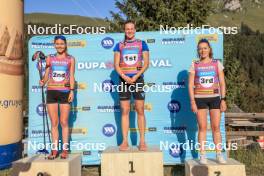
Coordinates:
50	45
116	108
209	37
175	151
36	88
173	41
82	86
147	107
150	40
109	130
149	129
37	133
174	85
80	109
87	153
78	130
38	45
107	85
76	43
174	106
107	42
174	130
108	108
40	109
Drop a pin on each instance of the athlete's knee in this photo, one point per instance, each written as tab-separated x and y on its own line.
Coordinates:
64	123
202	128
140	110
216	128
125	111
54	123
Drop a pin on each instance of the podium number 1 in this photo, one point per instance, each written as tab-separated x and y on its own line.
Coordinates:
217	173
131	167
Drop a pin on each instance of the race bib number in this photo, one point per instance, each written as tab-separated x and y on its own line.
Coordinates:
58	75
206	81
130	59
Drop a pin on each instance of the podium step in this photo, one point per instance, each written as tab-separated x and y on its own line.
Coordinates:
132	162
39	166
212	168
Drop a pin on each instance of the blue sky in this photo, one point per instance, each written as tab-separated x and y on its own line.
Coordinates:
91	8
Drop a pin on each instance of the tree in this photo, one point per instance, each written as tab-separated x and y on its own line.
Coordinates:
149	14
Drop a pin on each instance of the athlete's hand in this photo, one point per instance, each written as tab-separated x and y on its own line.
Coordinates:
194	107
128	80
223	106
71	96
41	83
134	79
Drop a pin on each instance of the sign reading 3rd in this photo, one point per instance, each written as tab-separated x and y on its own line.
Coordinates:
207	79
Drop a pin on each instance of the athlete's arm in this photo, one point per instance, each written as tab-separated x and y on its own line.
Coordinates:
191	85
72	71
145	66
222	82
72	80
191	92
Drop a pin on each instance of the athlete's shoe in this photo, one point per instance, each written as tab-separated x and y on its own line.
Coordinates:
203	159
124	146
220	159
53	155
64	154
142	146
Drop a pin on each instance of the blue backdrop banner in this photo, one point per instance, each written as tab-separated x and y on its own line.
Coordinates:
95	119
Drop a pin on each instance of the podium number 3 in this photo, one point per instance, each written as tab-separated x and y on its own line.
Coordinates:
217	173
131	164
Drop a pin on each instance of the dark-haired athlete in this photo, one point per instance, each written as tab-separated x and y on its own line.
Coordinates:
131	58
207	91
60	92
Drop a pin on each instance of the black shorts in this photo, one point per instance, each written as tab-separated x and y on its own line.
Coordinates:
208	103
55	96
135	89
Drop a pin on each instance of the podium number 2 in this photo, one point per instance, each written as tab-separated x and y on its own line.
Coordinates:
217	173
131	167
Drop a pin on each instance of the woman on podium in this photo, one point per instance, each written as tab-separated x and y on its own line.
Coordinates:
207	90
131	60
59	76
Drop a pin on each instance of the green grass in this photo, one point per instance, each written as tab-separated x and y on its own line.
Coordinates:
251	15
63	19
252	158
